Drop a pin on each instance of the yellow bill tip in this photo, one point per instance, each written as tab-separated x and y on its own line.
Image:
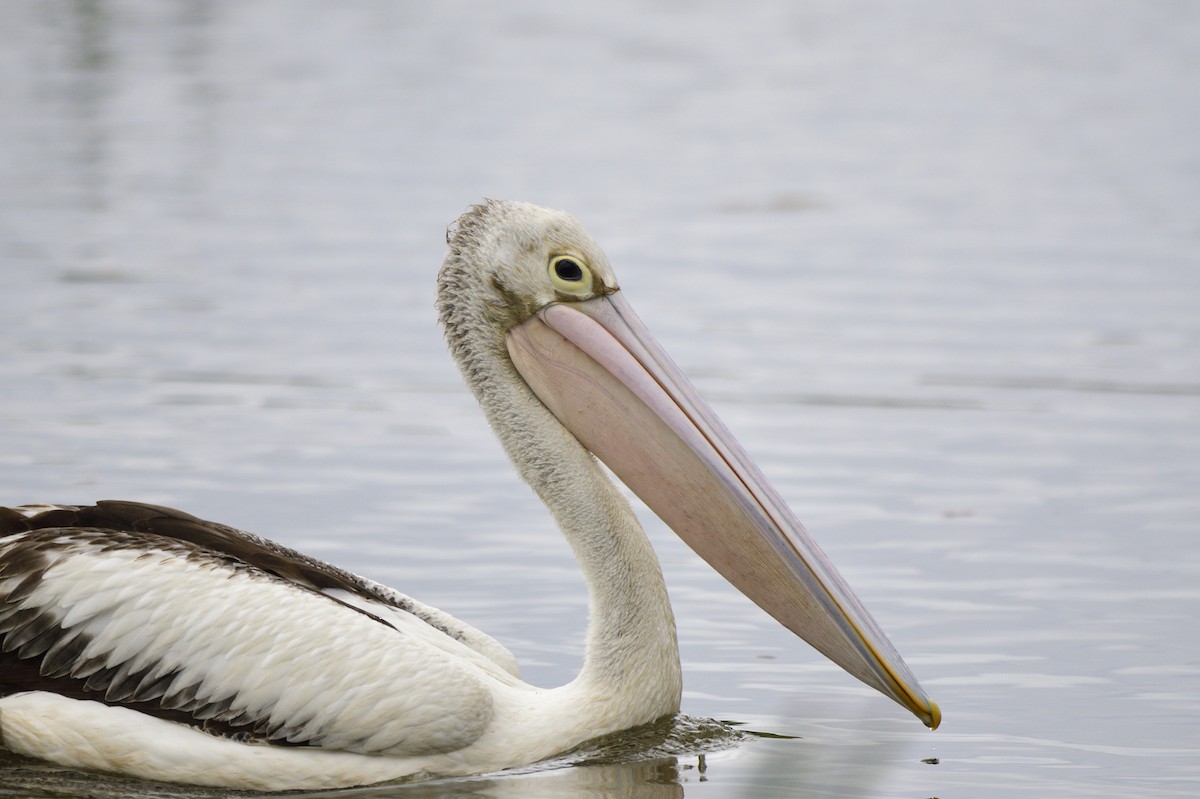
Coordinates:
935	716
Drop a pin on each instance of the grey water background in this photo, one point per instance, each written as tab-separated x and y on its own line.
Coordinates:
936	263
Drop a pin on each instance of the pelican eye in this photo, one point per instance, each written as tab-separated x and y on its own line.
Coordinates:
570	275
567	269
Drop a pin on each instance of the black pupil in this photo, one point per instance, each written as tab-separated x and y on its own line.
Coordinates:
568	270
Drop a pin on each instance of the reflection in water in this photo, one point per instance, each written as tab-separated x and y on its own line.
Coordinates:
659	778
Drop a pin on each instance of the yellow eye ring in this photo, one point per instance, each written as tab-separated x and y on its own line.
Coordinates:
570	275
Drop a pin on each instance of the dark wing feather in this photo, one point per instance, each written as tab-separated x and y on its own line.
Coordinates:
72	621
247	548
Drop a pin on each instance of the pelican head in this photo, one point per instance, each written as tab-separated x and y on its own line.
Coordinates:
535	317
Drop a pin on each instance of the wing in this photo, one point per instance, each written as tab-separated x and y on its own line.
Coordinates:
155	610
271	557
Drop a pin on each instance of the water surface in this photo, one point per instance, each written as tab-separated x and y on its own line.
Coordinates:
936	265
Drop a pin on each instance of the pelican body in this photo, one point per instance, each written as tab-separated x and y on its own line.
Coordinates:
145	641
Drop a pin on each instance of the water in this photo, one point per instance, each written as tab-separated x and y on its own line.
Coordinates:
935	263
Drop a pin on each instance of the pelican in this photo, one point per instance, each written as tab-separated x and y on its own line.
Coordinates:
142	640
